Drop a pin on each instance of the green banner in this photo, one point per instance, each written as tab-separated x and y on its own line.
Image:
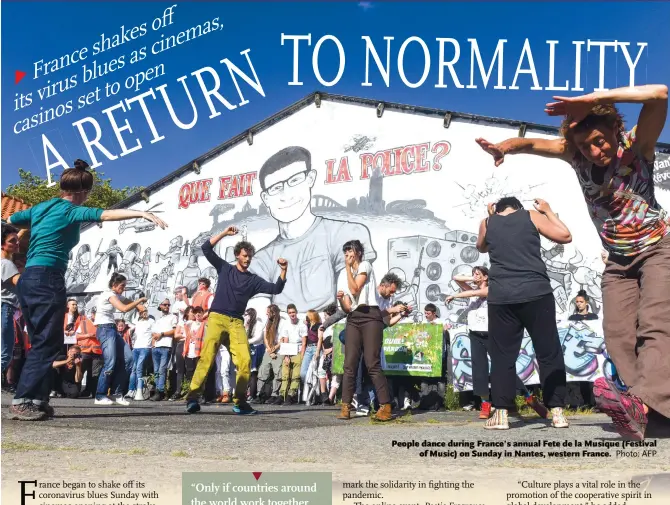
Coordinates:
408	349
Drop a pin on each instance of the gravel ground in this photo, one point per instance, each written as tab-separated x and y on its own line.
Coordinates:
156	442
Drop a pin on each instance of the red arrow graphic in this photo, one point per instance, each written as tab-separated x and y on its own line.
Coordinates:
257	475
18	75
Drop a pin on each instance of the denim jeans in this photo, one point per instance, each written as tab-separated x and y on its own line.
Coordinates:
118	361
257	352
8	335
43	302
161	356
365	392
306	360
139	355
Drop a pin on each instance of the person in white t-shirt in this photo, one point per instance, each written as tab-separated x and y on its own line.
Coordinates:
176	366
291	364
367	305
143	332
164	330
475	286
116	354
178	363
325	344
255	328
225	375
181	302
270	369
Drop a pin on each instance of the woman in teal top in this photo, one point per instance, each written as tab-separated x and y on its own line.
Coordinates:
54	231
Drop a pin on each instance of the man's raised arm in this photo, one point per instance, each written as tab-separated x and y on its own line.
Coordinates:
263	286
208	247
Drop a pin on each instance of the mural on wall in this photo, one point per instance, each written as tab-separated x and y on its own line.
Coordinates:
494	188
584	352
412	191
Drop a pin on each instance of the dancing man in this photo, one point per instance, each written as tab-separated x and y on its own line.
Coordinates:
225	324
615	170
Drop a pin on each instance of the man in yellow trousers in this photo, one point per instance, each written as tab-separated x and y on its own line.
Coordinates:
225	325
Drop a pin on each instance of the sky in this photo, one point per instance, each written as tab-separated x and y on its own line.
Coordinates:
65	27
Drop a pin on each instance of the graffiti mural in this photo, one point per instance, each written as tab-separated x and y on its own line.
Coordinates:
584	352
493	188
412	191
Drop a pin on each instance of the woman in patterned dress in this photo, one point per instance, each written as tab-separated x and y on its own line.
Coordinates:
615	171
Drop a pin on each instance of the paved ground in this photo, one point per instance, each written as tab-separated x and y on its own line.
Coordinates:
157	442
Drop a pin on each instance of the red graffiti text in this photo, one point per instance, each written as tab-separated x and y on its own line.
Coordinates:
341	174
236	186
405	160
194	192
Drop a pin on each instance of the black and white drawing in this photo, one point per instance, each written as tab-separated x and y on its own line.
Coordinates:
113	252
432	263
360	143
140	225
312	244
477	197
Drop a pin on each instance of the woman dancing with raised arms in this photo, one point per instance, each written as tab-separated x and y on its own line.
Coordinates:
54	226
615	170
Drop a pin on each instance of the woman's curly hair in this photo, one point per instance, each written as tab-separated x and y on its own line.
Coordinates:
600	115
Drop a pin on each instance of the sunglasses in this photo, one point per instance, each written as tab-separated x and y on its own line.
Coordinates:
12	241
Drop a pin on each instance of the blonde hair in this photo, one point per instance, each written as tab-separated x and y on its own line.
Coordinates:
314	317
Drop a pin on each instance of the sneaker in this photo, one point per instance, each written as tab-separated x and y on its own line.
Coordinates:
192	406
384	413
121	400
498	421
47	409
157	396
225	398
345	412
558	419
53	394
279	400
291	399
485	410
105	400
469	407
255	401
541	410
131	394
26	412
244	409
407	404
362	410
625	409
175	397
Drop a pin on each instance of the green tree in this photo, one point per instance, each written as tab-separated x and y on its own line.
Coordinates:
33	189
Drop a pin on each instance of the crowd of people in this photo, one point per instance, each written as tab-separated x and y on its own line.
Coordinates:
215	347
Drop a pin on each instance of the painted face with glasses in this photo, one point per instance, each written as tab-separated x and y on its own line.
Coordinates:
289	191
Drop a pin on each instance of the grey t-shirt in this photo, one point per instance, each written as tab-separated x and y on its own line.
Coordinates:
9	270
